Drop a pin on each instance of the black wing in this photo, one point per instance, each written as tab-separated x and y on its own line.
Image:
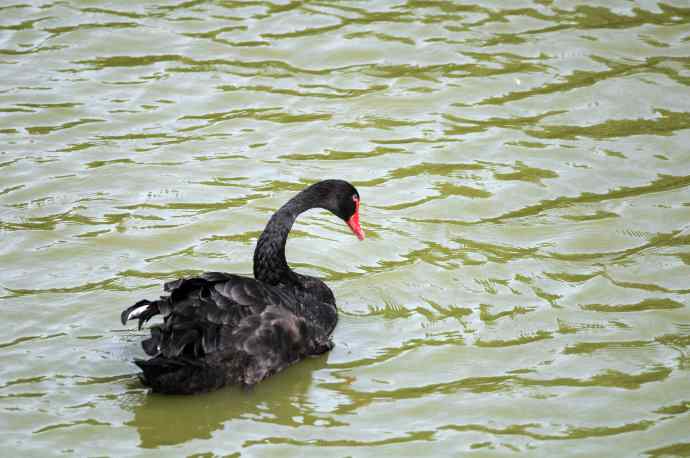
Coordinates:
221	328
197	308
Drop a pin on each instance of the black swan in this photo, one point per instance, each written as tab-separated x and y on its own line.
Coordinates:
220	329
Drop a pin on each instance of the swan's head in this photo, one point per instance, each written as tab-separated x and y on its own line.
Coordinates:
342	199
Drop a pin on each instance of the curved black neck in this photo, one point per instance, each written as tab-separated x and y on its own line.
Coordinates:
270	265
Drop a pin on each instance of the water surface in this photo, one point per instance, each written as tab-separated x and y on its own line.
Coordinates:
524	170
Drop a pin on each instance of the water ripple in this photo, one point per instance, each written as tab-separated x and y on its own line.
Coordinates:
524	178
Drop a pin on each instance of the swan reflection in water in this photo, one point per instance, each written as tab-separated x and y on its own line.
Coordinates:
164	420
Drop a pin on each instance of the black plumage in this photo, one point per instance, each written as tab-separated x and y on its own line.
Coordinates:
221	328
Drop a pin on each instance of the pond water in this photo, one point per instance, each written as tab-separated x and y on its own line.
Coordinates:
524	171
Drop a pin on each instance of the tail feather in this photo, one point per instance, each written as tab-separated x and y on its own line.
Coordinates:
144	310
152	345
178	341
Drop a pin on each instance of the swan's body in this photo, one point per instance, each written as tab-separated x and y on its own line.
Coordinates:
221	329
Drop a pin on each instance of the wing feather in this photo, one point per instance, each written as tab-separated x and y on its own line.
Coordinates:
235	328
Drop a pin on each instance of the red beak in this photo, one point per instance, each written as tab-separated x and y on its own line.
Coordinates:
353	222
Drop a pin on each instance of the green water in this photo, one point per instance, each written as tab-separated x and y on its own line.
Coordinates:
524	170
